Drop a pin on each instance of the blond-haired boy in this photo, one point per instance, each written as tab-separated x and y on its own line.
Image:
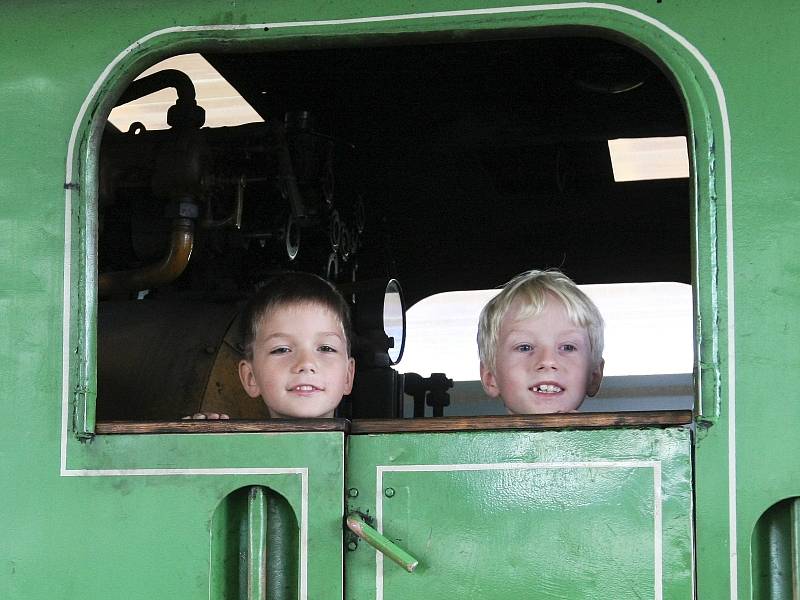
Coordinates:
540	342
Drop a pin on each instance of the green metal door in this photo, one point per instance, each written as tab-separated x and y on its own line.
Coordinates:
199	515
600	513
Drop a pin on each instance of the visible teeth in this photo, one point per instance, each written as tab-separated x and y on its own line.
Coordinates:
547	388
304	388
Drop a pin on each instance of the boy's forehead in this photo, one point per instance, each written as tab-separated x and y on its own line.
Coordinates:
293	313
521	315
522	308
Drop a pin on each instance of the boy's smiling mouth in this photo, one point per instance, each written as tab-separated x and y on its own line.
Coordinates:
547	388
305	388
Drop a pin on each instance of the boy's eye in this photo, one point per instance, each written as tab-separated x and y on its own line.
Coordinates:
524	347
569	347
327	348
279	350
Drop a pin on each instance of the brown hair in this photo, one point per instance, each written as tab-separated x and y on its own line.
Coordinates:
293	287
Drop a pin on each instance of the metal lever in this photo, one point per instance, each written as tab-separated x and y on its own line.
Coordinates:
380	542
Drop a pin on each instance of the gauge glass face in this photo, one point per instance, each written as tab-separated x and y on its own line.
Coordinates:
393	322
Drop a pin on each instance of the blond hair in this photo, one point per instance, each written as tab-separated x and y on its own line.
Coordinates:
530	290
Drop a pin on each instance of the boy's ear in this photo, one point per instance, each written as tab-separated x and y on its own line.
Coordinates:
489	382
595	379
351	371
248	379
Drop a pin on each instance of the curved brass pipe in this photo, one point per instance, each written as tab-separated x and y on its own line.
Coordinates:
165	271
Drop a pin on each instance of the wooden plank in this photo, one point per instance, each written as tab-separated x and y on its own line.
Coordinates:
550	421
224	426
440	424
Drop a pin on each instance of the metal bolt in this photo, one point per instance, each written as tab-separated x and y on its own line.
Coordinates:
388	492
352	546
352	492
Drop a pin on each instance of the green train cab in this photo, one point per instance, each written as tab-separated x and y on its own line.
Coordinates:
160	161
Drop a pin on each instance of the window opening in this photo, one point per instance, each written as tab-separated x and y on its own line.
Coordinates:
448	165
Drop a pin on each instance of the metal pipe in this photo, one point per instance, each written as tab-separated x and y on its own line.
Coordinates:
163	272
185	112
158	81
288	179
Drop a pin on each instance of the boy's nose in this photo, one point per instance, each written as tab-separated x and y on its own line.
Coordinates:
546	360
305	363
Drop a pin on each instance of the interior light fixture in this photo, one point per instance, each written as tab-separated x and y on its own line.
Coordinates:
642	159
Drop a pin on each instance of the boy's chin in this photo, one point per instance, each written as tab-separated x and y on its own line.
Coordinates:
290	413
543	410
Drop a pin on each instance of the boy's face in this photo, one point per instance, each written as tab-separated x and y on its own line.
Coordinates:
300	366
543	363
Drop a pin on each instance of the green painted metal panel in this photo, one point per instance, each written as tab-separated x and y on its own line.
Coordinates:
52	53
143	515
570	514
